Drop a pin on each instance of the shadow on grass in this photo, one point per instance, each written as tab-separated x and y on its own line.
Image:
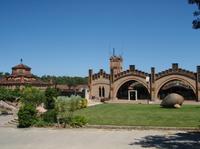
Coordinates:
188	140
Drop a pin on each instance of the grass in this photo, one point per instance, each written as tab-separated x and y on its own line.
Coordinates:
142	115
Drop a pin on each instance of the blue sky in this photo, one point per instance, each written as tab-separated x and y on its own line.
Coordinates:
67	37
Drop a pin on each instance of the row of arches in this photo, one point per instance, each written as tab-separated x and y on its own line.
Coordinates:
135	90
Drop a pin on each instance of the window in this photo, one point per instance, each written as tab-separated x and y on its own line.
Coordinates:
103	92
99	91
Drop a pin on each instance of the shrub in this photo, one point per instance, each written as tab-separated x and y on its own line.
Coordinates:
42	123
77	121
50	116
50	94
27	116
8	94
65	108
84	103
32	96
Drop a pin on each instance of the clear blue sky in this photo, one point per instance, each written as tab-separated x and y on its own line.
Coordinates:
67	37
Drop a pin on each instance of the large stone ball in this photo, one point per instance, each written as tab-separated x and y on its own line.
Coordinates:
171	100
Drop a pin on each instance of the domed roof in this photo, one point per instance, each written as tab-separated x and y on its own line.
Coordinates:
21	66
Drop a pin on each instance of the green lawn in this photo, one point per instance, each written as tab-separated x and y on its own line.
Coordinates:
142	115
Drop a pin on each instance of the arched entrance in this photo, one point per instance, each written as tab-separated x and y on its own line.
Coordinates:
132	90
179	87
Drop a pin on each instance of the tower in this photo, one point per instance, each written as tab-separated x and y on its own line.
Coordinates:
115	63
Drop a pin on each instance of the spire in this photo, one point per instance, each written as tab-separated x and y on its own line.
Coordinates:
21	60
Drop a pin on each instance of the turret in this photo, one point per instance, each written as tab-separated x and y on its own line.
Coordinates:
115	63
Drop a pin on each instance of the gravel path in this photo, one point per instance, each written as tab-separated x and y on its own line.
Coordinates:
46	138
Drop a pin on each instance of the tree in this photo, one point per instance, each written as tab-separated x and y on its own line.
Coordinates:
65	80
32	96
196	22
8	94
50	94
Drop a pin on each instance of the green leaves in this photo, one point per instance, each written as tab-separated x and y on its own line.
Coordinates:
65	108
32	96
196	22
27	115
70	81
8	94
50	94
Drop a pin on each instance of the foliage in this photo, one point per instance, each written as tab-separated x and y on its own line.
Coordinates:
65	108
2	74
8	94
32	96
50	116
50	94
196	22
27	116
83	103
42	123
70	81
77	121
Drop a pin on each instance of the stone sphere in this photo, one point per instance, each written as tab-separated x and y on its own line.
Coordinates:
171	100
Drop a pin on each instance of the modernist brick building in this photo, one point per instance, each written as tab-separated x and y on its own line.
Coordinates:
133	84
21	76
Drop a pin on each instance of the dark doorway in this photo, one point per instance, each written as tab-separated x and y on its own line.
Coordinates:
124	91
132	95
178	87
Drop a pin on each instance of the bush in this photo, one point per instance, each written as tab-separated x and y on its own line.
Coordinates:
50	116
42	123
65	108
32	96
50	94
27	116
8	94
77	121
83	103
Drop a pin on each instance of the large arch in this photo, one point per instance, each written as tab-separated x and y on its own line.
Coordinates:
120	82
185	80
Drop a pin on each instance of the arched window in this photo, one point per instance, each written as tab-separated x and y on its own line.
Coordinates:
103	92
99	91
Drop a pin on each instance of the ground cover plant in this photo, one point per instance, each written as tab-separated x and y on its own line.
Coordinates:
142	115
60	109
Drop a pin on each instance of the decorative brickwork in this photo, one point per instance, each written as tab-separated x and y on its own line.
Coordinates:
174	79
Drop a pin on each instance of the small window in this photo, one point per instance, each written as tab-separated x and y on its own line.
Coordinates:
103	92
99	91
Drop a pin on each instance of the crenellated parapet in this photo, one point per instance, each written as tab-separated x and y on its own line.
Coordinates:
99	84
175	70
100	74
131	72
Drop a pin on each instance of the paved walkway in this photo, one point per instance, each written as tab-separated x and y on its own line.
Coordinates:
46	138
4	119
